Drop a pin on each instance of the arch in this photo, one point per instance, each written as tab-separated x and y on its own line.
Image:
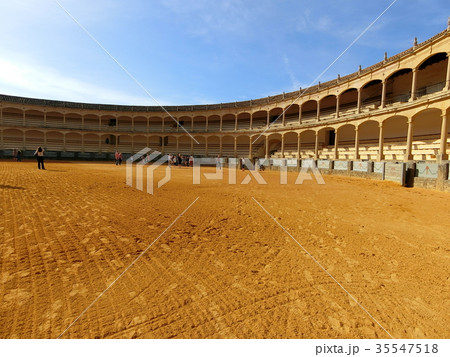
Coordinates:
155	124
34	118
326	139
91	121
345	142
199	123
184	145
307	143
369	132
214	123
140	124
259	119
371	95
395	131
309	111
124	123
139	143
108	122
33	139
398	86
228	146
258	145
73	141
124	143
74	120
91	143
185	122
13	139
426	134
213	145
12	116
328	106
55	140
54	119
431	74
348	101
243	121
290	144
292	114
199	148
276	117
228	122
242	146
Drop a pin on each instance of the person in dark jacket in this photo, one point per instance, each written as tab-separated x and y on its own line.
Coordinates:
39	153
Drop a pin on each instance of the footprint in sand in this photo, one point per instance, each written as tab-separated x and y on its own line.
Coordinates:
308	276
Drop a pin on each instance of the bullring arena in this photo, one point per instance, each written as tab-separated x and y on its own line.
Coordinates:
243	261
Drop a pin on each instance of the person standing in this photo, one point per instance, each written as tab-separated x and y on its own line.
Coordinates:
116	157
218	163
39	153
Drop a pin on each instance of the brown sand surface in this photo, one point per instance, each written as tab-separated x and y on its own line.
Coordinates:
225	269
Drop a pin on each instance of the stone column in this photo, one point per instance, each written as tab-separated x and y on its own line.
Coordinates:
235	122
148	125
267	147
299	145
316	147
206	129
338	98
356	143
220	145
192	146
132	124
206	146
220	123
82	121
100	123
162	125
251	121
235	146
282	145
383	93
23	118
447	78
268	118
409	156
358	105
336	144
192	123
413	85
444	135
380	143
250	149
318	110
284	117
299	113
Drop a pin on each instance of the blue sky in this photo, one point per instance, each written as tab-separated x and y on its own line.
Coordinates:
197	52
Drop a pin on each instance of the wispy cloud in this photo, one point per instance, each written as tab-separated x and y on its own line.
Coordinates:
26	78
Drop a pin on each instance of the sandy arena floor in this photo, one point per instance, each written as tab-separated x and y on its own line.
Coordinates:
225	269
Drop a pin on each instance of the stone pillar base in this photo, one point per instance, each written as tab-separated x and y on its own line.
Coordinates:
441	157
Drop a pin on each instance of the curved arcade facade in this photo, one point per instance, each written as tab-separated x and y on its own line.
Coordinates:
397	109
